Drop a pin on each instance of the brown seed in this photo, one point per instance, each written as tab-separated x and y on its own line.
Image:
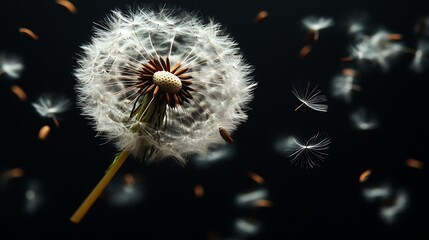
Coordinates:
349	72
414	163
263	203
199	191
261	16
19	92
29	33
225	135
44	132
304	51
364	176
255	177
68	5
395	36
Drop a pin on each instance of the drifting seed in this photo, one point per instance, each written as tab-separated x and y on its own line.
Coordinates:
14	173
255	177
225	135
263	203
68	5
261	16
414	163
19	92
29	33
44	132
364	176
199	191
304	51
349	72
129	179
395	36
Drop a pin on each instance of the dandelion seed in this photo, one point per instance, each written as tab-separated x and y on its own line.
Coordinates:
261	16
249	199
199	191
380	48
11	65
414	163
315	24
51	105
256	177
28	33
44	132
161	84
67	4
263	203
343	86
304	51
19	92
308	154
364	176
349	72
310	96
362	119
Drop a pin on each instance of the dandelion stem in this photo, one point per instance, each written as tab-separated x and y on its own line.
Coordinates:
95	193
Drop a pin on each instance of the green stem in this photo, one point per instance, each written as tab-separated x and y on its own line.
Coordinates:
95	193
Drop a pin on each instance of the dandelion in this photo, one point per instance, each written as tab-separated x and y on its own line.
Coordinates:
11	65
161	84
315	24
308	154
310	96
49	105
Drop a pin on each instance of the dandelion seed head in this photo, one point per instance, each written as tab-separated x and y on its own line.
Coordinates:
312	97
50	104
160	83
11	65
317	23
308	154
377	48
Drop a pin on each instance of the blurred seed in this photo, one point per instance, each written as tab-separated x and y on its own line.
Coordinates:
255	177
129	179
304	51
19	92
261	16
225	135
14	173
349	72
414	163
395	36
263	203
44	132
68	5
29	33
364	176
199	191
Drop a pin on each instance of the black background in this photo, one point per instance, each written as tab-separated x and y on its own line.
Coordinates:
324	202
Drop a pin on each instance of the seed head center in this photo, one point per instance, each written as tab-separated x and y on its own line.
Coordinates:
167	81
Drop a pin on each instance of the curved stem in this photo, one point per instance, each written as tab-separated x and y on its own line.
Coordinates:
98	189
